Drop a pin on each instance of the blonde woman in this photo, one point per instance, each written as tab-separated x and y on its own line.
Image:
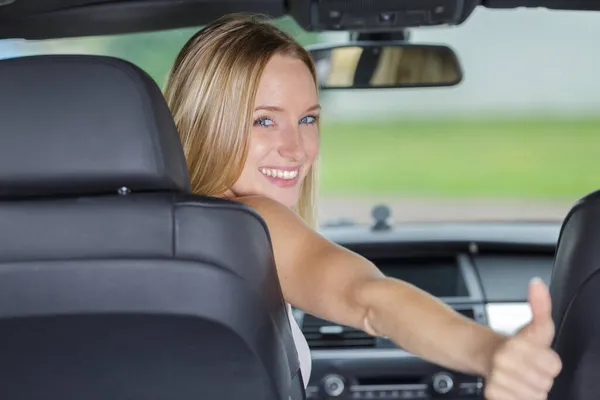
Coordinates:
244	98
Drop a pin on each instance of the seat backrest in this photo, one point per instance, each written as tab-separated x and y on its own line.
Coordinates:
116	282
575	290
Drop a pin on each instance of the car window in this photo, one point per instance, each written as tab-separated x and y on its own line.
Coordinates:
516	140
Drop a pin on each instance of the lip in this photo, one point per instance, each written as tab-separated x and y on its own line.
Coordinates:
280	182
297	167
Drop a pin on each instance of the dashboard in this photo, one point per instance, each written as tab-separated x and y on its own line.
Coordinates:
480	269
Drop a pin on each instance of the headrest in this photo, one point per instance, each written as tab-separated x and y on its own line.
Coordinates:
82	124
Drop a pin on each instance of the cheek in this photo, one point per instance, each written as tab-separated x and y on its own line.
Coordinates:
260	145
311	145
256	154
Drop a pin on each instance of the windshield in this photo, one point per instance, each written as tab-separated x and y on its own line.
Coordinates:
518	139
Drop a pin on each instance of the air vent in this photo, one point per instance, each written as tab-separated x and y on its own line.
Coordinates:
321	334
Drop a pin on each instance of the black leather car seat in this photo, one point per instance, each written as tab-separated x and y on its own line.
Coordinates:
115	282
575	290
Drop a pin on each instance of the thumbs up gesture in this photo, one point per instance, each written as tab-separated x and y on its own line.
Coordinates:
524	366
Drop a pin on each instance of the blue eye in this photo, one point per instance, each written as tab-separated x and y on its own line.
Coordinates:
264	121
309	119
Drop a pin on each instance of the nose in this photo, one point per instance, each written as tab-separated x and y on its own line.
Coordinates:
292	145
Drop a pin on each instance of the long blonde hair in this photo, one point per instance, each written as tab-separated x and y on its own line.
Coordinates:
211	90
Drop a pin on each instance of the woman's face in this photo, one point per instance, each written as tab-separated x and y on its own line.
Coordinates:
284	137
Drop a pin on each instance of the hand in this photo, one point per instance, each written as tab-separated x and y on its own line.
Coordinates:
523	367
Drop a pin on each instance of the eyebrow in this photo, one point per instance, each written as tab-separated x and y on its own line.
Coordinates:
279	109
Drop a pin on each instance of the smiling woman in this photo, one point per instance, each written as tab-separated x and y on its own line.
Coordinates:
273	132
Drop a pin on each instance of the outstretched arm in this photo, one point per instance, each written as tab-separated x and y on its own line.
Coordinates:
331	282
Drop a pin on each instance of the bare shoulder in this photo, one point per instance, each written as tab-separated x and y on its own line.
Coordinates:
261	203
274	213
316	274
293	240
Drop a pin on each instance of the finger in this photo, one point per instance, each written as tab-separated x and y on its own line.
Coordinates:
541	328
540	300
546	361
497	392
522	382
521	361
534	380
516	387
543	362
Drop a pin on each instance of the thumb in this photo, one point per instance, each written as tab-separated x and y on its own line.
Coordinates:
541	327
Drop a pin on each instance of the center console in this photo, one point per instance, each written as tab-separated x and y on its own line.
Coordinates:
441	385
349	364
416	380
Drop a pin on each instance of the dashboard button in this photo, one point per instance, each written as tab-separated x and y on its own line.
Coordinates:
333	385
442	383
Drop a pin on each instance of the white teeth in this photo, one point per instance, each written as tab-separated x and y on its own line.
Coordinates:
278	173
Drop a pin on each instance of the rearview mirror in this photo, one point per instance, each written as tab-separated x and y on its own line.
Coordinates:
378	65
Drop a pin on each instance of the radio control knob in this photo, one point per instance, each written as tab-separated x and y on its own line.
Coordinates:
333	385
442	383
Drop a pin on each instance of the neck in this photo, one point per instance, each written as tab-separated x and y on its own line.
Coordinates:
227	195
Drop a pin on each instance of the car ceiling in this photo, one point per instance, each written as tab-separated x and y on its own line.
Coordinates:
40	19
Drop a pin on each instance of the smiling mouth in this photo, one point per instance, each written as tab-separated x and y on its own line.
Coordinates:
284	174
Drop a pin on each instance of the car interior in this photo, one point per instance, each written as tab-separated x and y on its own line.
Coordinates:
132	291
